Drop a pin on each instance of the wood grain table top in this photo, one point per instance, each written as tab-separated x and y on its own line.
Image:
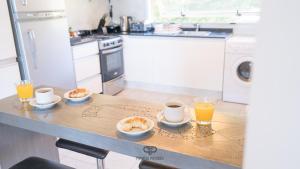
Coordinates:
94	123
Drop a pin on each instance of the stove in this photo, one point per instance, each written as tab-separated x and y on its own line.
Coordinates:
111	60
107	42
112	63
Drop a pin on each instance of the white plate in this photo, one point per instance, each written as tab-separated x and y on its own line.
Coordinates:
150	123
56	99
187	118
66	96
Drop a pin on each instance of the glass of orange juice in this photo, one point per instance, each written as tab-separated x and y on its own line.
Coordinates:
204	110
24	90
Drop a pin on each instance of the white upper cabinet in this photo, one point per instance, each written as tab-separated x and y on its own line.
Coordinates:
182	62
7	46
37	5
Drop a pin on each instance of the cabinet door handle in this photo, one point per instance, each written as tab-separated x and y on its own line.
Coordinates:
32	48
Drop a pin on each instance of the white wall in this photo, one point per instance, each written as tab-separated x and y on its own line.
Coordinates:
85	14
136	8
273	137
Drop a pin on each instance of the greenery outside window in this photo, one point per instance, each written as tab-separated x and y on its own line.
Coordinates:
204	11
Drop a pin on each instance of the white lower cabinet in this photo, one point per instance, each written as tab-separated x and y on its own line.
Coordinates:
87	66
181	62
9	77
85	49
138	59
94	84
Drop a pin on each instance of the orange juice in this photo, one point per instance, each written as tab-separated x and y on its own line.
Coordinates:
204	112
25	91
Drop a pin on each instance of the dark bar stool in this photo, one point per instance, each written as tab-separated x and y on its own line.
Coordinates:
38	163
152	165
98	153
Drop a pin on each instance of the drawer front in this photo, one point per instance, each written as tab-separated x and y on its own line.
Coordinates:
87	67
94	84
9	77
86	49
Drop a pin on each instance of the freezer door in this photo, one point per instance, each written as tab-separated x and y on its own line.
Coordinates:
46	52
37	5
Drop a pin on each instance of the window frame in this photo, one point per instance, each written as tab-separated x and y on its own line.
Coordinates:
238	15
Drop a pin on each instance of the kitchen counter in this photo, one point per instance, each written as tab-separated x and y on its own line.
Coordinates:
221	35
82	40
94	123
213	33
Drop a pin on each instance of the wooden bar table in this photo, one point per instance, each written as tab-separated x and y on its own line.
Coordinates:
94	123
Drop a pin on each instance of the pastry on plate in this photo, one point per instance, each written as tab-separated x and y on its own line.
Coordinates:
78	93
135	124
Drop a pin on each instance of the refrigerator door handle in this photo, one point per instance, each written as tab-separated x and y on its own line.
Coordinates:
32	47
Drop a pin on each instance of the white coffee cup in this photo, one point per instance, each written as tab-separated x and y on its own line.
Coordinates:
174	111
44	95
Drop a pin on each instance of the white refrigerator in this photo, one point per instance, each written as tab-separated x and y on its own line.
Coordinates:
9	70
42	42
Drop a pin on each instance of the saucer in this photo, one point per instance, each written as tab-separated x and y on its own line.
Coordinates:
121	123
80	99
56	99
187	118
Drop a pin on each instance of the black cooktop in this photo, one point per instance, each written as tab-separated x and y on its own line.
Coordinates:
85	36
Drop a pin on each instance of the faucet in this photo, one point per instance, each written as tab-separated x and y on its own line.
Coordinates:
197	27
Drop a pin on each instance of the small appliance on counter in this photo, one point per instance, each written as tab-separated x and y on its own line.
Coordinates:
114	28
125	22
107	26
141	27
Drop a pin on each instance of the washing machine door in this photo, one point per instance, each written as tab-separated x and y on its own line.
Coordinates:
243	70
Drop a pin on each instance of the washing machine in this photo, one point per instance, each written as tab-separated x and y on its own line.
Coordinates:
238	66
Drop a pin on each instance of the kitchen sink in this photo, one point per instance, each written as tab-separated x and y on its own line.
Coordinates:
195	33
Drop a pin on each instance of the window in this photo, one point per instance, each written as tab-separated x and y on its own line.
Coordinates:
204	11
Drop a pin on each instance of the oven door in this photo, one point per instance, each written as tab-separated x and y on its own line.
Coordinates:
112	64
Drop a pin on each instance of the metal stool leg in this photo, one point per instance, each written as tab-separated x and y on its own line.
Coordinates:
100	164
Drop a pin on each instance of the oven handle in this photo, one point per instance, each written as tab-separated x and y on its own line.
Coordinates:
112	50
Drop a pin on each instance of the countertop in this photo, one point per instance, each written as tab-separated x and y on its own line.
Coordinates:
94	123
81	40
219	34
